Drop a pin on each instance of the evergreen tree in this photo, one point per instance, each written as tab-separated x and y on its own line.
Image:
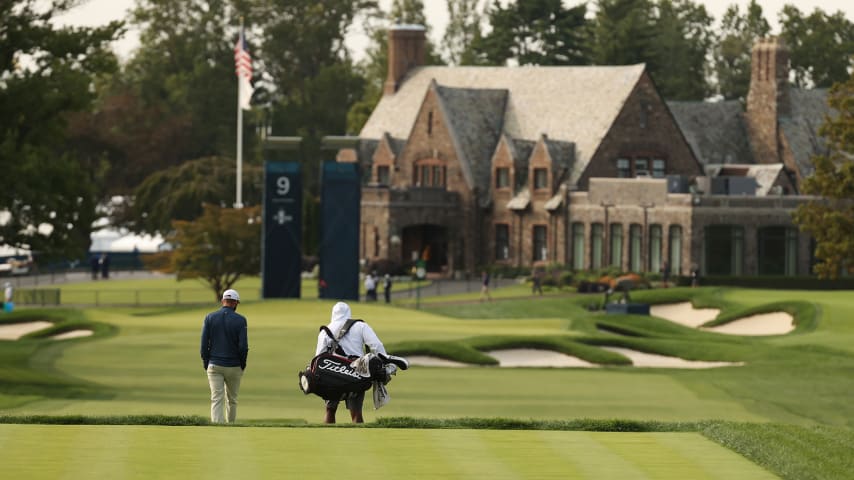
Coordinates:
678	49
738	34
534	32
623	32
821	46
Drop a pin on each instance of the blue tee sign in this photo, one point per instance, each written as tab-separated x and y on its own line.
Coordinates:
281	245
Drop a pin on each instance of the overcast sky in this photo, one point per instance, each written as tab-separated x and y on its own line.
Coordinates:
99	12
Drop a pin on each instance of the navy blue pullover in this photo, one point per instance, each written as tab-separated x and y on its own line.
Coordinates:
224	339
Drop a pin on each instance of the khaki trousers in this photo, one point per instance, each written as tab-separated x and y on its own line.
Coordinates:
225	384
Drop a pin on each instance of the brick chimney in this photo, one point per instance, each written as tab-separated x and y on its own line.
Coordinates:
405	51
768	98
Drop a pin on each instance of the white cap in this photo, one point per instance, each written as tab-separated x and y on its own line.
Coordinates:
231	295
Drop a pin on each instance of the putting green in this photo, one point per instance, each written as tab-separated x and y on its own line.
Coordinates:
117	452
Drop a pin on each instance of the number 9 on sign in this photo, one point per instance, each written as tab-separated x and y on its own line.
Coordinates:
283	185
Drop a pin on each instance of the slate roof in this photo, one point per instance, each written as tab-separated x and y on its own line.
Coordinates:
715	131
570	104
809	108
475	117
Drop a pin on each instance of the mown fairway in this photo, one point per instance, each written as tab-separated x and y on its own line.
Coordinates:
147	363
184	452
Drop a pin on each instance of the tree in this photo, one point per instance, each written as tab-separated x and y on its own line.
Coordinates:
623	32
50	187
178	193
463	28
534	32
183	72
731	55
821	46
218	247
831	220
681	41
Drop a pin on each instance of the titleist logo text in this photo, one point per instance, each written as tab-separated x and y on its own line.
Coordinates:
327	364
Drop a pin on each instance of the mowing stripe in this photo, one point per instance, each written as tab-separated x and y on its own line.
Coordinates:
144	452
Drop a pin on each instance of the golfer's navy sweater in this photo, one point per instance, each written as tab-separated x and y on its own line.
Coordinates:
224	339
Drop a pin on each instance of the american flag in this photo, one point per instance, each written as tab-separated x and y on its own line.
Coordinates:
243	68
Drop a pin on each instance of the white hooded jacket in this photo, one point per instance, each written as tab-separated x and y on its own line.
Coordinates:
353	343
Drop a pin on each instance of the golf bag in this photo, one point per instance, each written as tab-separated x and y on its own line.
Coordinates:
330	375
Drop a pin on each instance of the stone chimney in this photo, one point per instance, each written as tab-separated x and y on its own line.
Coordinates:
768	98
406	45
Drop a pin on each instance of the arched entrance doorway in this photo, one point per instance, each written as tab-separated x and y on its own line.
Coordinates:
427	242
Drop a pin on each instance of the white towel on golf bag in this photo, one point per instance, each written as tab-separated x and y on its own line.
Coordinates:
381	396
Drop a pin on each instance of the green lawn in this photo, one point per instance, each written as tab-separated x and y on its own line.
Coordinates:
144	361
150	291
119	452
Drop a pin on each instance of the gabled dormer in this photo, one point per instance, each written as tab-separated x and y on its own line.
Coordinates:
540	174
503	167
384	162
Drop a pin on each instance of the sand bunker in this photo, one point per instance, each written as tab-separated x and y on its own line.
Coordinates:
776	323
426	361
643	359
684	313
15	331
72	334
528	357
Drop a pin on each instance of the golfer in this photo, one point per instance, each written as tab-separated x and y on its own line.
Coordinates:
353	344
225	346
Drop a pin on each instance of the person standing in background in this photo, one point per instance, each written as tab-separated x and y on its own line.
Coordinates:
387	288
484	289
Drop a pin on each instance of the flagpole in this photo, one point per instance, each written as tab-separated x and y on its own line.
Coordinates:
239	202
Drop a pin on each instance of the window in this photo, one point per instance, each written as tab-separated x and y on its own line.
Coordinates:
675	243
658	168
723	250
617	245
624	168
641	167
502	241
436	176
430	122
596	246
635	247
655	248
541	178
429	173
777	250
540	250
502	177
578	246
383	174
376	242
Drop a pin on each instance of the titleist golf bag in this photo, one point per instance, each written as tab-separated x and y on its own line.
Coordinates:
330	375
